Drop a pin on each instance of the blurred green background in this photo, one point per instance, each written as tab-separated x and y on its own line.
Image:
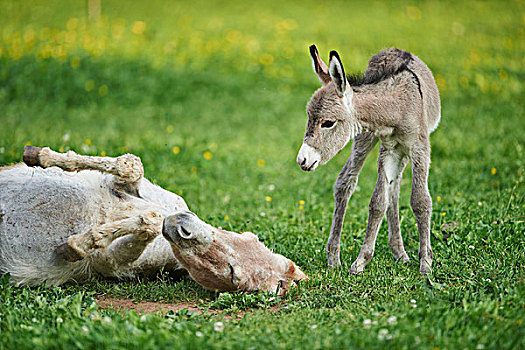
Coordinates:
211	95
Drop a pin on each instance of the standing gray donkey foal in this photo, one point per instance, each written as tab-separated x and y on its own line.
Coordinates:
395	101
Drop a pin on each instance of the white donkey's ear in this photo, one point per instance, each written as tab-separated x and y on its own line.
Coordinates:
320	68
337	73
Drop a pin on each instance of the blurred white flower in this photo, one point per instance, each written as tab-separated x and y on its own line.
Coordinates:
382	333
198	334
60	320
106	320
85	329
65	138
262	213
271	187
480	204
218	326
413	301
480	346
313	327
471	247
2	150
367	323
34	320
391	320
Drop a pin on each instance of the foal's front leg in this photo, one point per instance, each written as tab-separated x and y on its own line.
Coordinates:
343	190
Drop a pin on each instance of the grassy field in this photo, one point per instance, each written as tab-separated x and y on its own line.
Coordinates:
212	97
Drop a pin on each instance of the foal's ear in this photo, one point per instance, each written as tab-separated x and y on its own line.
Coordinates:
320	68
337	73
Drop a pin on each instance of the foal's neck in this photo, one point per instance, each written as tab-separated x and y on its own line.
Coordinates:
374	108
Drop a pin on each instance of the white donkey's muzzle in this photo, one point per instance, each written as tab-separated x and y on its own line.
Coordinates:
308	158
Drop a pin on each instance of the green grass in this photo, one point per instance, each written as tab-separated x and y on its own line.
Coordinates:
233	79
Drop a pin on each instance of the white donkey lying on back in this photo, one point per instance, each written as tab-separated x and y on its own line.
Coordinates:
75	216
395	101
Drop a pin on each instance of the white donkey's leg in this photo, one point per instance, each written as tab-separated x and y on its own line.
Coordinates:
421	202
389	167
127	167
142	228
343	190
395	241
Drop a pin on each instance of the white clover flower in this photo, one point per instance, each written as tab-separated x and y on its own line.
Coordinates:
313	327
471	247
367	323
413	301
218	326
60	320
262	213
392	320
198	334
271	187
107	320
382	333
480	204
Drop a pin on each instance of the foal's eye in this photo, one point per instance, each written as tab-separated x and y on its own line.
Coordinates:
327	124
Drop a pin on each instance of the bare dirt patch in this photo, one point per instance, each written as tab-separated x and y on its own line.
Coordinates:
146	307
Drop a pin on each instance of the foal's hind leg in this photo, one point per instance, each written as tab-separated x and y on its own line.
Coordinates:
389	168
395	240
421	202
343	190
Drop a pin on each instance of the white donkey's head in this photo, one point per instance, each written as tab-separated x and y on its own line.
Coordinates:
331	116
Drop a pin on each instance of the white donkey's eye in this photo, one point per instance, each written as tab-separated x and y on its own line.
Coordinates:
327	124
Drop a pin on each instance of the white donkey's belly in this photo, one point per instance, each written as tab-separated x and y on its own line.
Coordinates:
40	208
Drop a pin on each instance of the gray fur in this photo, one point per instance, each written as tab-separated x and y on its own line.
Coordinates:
397	102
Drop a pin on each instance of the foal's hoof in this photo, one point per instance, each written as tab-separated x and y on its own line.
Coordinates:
425	268
357	268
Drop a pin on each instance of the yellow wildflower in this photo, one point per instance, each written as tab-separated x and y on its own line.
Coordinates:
438	198
207	155
493	171
268	198
261	163
443	214
88	142
226	218
138	27
301	202
301	207
169	129
176	150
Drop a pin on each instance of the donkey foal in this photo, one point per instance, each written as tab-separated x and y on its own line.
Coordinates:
395	101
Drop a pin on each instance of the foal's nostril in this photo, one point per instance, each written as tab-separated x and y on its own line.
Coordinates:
304	161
